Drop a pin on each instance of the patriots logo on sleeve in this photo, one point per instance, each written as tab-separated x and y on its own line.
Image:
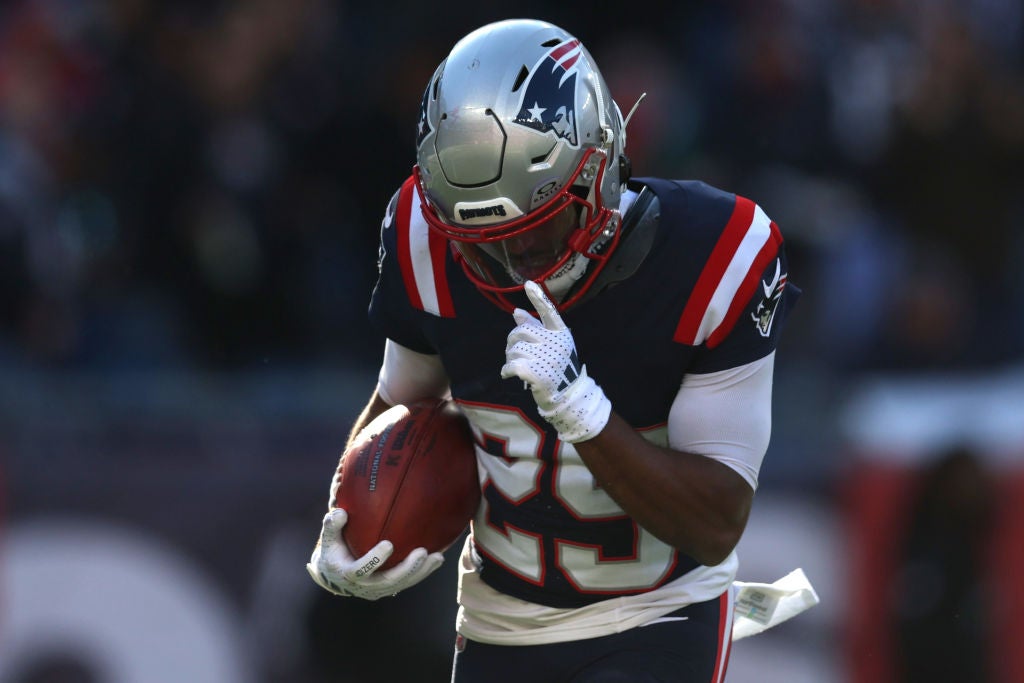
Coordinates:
765	313
549	99
731	276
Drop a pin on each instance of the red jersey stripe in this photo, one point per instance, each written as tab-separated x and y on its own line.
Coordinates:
421	257
714	269
725	607
401	224
751	282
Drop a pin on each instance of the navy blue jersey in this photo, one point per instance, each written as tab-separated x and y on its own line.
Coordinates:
709	295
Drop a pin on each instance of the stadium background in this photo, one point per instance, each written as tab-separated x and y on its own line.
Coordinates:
190	194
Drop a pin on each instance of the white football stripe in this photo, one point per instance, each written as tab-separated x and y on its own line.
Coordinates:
757	234
419	256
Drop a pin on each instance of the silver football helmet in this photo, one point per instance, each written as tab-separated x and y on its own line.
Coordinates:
520	160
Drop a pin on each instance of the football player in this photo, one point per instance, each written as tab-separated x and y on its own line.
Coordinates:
611	341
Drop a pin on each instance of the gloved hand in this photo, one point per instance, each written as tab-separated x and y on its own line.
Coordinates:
334	568
542	353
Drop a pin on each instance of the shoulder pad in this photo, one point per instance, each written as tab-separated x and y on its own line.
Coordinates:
638	228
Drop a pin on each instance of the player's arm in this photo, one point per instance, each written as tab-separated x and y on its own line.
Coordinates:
693	502
405	376
690	501
696	494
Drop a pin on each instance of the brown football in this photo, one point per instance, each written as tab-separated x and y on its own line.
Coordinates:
409	477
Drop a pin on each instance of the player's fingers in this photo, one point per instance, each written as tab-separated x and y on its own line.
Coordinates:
545	309
522	316
330	534
320	579
519	336
409	565
508	371
369	562
432	562
411	570
336	517
518	366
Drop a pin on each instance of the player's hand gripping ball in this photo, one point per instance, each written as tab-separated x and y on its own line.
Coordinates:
409	477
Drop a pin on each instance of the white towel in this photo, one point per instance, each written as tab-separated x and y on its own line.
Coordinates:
759	606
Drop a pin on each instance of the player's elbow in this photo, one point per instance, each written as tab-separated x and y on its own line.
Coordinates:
721	528
716	545
724	519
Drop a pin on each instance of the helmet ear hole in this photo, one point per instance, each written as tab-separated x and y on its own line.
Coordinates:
521	78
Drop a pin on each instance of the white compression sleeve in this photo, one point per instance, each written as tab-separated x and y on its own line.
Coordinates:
407	375
726	416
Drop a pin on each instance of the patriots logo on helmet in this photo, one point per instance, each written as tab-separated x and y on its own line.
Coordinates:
549	100
423	128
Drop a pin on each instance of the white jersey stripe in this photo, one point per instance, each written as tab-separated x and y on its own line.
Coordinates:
419	255
755	238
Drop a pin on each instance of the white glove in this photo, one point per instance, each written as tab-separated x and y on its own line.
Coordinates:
334	569
542	353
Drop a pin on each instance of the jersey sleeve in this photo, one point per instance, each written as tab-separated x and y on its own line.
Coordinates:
761	318
391	312
742	296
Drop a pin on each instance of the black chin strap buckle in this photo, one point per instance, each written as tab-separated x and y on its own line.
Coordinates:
625	169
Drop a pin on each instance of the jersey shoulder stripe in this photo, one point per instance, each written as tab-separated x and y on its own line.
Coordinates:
730	276
421	256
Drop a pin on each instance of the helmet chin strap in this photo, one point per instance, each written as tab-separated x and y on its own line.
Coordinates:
559	284
561	281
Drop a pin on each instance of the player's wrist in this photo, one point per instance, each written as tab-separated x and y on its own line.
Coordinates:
583	412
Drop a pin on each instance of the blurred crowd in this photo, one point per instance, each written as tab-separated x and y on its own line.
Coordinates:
200	183
197	185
